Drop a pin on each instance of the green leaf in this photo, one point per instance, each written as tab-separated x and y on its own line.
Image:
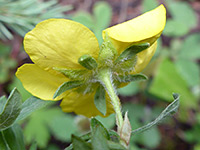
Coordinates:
13	137
100	99
131	78
62	127
96	123
102	13
99	140
67	86
190	47
102	18
33	146
108	122
3	144
36	129
84	137
169	110
88	62
190	71
11	110
3	100
115	146
149	5
188	18
168	80
130	52
85	19
30	105
18	84
129	90
79	144
175	28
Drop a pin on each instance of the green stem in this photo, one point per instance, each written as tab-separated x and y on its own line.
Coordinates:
105	77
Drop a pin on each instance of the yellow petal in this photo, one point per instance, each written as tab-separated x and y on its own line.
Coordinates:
144	28
38	82
59	43
144	58
83	105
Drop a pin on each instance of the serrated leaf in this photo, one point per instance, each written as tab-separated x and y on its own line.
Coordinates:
13	138
67	86
11	110
30	105
169	110
36	129
132	78
79	144
100	99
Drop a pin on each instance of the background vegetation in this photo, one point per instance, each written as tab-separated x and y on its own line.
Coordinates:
174	68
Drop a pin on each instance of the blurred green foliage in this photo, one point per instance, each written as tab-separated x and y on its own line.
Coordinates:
21	16
174	68
99	20
6	63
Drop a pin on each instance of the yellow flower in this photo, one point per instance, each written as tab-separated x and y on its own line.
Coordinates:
59	43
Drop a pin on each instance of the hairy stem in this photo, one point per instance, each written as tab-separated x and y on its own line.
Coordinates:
105	77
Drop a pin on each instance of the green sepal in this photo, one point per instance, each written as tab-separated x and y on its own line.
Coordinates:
100	99
169	110
131	77
107	51
88	62
13	138
67	86
72	74
79	144
11	110
128	58
131	51
99	136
